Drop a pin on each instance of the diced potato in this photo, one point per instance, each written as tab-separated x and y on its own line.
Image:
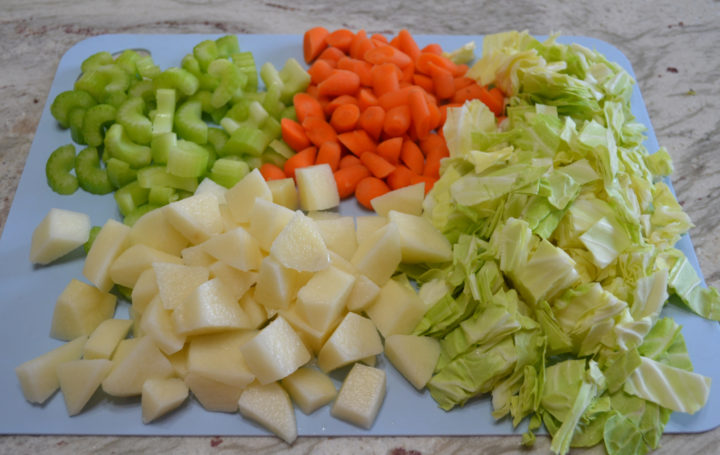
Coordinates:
317	188
318	215
160	396
237	281
322	299
420	241
378	256
214	395
267	220
135	260
300	245
178	360
210	308
79	379
175	282
369	361
341	263
229	222
270	406
276	285
312	338
236	248
113	239
196	217
275	352
397	309
256	313
60	232
144	291
38	377
208	185
217	356
339	235
143	361
408	199
196	256
363	293
154	230
354	339
361	395
310	389
241	197
79	310
368	224
124	347
157	323
413	356
284	192
105	338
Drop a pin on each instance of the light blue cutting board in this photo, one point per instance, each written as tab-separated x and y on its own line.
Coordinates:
28	294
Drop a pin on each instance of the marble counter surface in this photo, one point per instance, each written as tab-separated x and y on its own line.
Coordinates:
673	47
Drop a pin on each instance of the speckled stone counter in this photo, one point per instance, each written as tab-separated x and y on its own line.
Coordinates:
673	47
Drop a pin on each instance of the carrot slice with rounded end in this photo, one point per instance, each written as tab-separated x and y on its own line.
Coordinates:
432	167
423	81
400	177
349	160
412	157
443	81
379	37
320	70
360	67
407	44
366	98
314	43
340	38
345	117
318	130
372	121
368	189
384	79
361	44
307	106
434	146
395	98
390	149
303	158
377	165
293	134
387	54
270	171
357	141
339	101
332	55
425	58
347	179
329	152
397	120
340	82
420	113
433	48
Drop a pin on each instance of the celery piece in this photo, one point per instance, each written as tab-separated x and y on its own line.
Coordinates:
130	197
281	148
205	52
76	120
121	147
95	60
270	75
119	172
162	195
188	159
217	138
272	104
94	231
190	63
163	120
143	89
208	82
95	120
116	98
158	176
130	220
189	124
228	171
131	116
102	80
289	112
271	127
253	161
227	45
230	125
257	113
181	80
246	140
67	101
57	170
246	62
269	156
295	79
91	177
232	81
127	61
146	67
161	145
239	111
204	97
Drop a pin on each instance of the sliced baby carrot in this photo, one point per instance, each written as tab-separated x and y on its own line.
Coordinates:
270	171
366	98
379	37
433	48
407	44
412	157
432	167
407	74
423	60
434	146
384	79
347	179
387	54
495	101
368	189
360	45
329	152
349	160
293	134
463	81
339	82
420	113
357	141
345	117
320	70
314	43
397	120
303	158
471	92
307	106
332	55
423	81
436	120
340	38
400	177
377	165
372	121
395	98
318	130
390	149
339	101
359	67
443	81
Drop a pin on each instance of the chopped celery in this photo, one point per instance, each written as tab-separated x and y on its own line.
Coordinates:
239	111
58	167
188	159
103	80
246	140
162	195
120	146
127	60
228	171
189	123
281	148
270	75
161	145
158	176
217	138
190	63
205	52
177	78
232	81
116	98
227	46
272	157
271	127
246	62
67	101
95	60
230	125
91	177
146	67
95	120
130	115
295	79
119	172
163	121
76	121
143	89
289	112
130	197
257	113
271	103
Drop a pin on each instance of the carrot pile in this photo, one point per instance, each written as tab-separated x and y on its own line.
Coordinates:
374	111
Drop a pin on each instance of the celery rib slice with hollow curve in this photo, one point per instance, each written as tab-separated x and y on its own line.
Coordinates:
131	116
67	101
76	119
158	176
121	147
227	45
130	197
95	119
57	170
246	140
246	62
228	171
188	159
189	124
177	78
95	60
91	177
119	172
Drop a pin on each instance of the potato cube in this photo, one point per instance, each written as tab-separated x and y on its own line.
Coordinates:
38	377
175	282
214	395
354	339
270	406
144	291
208	185
317	188
113	239
160	396
105	338
256	313
238	282
267	220
322	299
413	356
339	235
154	230
241	197
300	245
196	256
275	352
79	310
217	356
126	269
211	307
419	240
397	309
311	337
363	293
378	256
236	248
310	389
60	232
142	361
196	217
157	323
408	199
366	225
361	395
79	379
276	285
284	192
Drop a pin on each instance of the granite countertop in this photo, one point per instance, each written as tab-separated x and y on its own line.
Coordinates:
673	47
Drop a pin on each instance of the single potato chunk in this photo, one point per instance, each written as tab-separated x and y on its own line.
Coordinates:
317	188
60	232
339	235
160	396
284	192
105	338
175	282
79	310
276	285
300	245
420	242
196	217
267	220
363	293
238	282
154	230
145	290
310	389
397	309
322	299
217	356
79	379
143	361
270	406
214	395
354	339
236	248
361	395
241	197
113	239
413	356
379	255
157	323
126	269
210	308
408	199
